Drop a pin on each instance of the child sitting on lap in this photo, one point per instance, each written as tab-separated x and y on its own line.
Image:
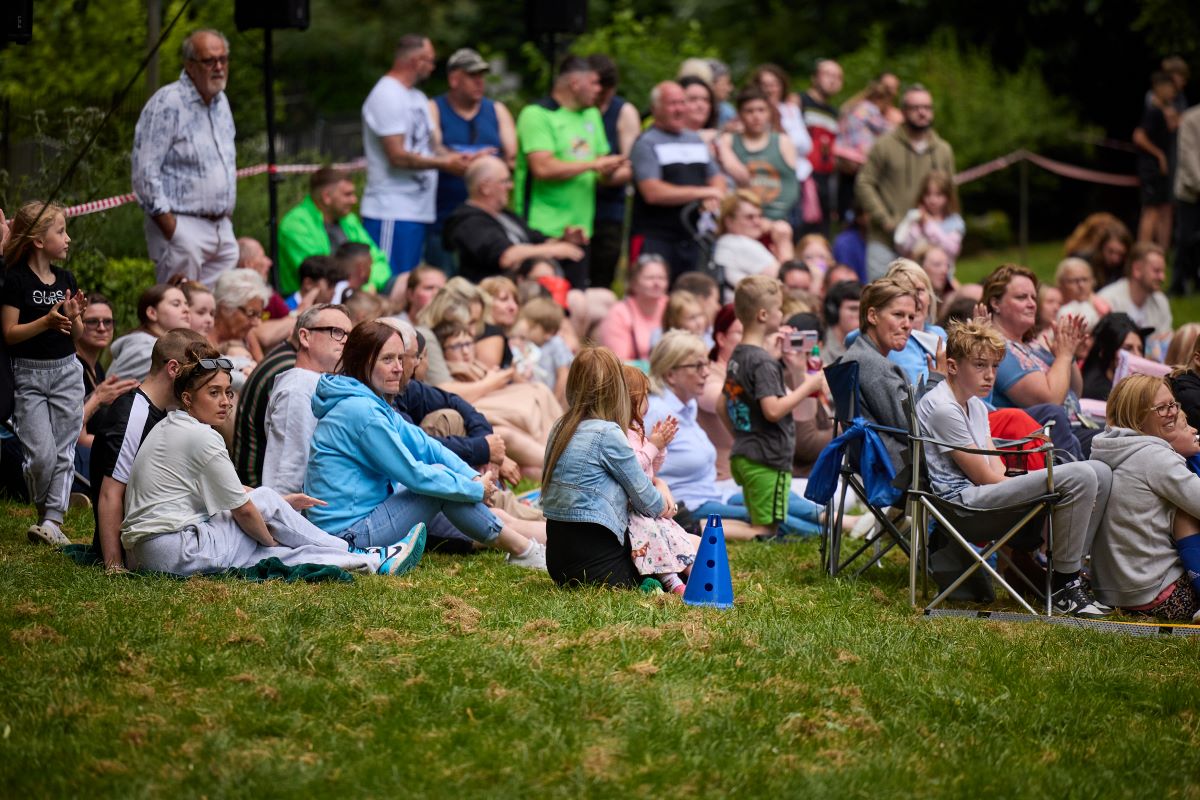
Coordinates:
660	548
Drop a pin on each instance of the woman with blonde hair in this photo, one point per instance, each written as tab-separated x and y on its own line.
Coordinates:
592	478
1184	355
1077	282
1146	556
739	250
500	314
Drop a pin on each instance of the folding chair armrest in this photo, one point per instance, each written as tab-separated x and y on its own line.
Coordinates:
1045	448
1049	497
1017	442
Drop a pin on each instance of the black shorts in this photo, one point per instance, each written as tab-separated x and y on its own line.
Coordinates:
1156	187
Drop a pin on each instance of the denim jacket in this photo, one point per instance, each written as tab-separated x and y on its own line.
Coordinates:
597	478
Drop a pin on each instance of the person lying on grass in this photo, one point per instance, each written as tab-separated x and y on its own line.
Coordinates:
187	512
1146	557
381	474
593	477
953	413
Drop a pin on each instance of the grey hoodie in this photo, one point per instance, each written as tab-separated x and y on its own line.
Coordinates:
1134	556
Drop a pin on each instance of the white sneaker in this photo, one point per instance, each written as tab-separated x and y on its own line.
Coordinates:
865	526
534	557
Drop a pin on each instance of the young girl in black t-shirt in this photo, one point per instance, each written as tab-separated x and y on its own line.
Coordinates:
38	303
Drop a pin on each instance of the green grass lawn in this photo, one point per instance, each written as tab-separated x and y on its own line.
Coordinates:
1043	258
472	678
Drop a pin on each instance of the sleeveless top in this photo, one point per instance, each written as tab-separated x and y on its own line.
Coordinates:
463	136
610	200
770	177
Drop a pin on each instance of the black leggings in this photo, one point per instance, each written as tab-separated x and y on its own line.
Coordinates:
584	553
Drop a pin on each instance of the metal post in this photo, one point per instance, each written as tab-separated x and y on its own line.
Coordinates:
1023	230
272	178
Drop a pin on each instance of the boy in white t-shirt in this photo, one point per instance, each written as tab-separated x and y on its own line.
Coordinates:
953	413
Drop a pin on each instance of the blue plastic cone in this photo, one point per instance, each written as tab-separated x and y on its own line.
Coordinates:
710	583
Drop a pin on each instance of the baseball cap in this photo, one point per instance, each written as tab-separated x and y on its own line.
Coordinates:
467	60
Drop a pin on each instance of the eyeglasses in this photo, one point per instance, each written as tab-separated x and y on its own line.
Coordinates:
335	333
97	324
699	366
215	363
209	63
1166	410
251	313
458	348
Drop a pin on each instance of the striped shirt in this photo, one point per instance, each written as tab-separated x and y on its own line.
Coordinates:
184	160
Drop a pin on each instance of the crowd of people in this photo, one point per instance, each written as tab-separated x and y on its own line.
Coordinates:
383	388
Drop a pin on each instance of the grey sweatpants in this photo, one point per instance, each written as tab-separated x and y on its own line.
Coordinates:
48	415
1085	486
219	544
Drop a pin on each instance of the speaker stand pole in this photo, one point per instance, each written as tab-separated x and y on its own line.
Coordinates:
272	177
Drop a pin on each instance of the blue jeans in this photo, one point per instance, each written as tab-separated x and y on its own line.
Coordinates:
803	514
394	518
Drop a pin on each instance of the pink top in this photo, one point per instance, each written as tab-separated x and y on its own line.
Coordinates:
648	455
628	333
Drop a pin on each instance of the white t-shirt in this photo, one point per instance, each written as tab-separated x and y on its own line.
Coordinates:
289	424
739	257
182	475
944	419
392	193
1155	313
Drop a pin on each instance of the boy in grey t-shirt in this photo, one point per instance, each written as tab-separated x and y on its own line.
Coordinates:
951	413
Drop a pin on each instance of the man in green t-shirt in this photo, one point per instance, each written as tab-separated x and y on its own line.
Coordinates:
562	152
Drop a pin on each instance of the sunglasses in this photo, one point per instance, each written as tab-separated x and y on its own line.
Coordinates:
215	363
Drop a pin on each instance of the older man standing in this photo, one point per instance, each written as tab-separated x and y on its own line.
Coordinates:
888	182
184	166
403	156
672	167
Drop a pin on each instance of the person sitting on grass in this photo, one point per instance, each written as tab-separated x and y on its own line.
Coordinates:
535	339
592	479
1146	557
759	403
953	413
160	308
1185	378
187	513
660	548
380	474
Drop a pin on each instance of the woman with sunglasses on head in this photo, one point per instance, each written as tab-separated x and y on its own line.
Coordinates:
187	513
1146	556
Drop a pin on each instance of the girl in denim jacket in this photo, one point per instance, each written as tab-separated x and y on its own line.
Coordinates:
592	478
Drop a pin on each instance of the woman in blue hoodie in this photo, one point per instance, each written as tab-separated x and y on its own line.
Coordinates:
380	474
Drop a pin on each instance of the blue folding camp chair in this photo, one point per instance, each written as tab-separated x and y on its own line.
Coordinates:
842	378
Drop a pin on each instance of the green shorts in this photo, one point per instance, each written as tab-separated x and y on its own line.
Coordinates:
765	488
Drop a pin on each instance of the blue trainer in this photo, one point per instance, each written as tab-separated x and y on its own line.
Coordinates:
405	554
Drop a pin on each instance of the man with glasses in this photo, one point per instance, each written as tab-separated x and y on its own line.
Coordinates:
895	170
289	423
184	166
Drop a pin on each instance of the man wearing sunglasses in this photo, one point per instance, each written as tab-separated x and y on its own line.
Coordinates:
184	163
321	335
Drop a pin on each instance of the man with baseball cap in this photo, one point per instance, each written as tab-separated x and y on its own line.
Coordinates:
465	121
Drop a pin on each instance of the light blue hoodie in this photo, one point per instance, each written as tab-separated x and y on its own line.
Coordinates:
362	446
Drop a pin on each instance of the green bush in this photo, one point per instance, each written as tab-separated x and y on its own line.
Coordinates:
121	280
990	230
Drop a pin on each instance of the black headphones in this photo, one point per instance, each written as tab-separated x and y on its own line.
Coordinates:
839	293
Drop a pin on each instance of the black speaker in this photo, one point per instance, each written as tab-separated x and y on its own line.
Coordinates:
18	21
556	16
275	14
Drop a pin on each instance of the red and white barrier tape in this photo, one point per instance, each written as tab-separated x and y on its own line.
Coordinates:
967	175
92	206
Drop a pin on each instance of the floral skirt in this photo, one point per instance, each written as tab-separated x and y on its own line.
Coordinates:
660	546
